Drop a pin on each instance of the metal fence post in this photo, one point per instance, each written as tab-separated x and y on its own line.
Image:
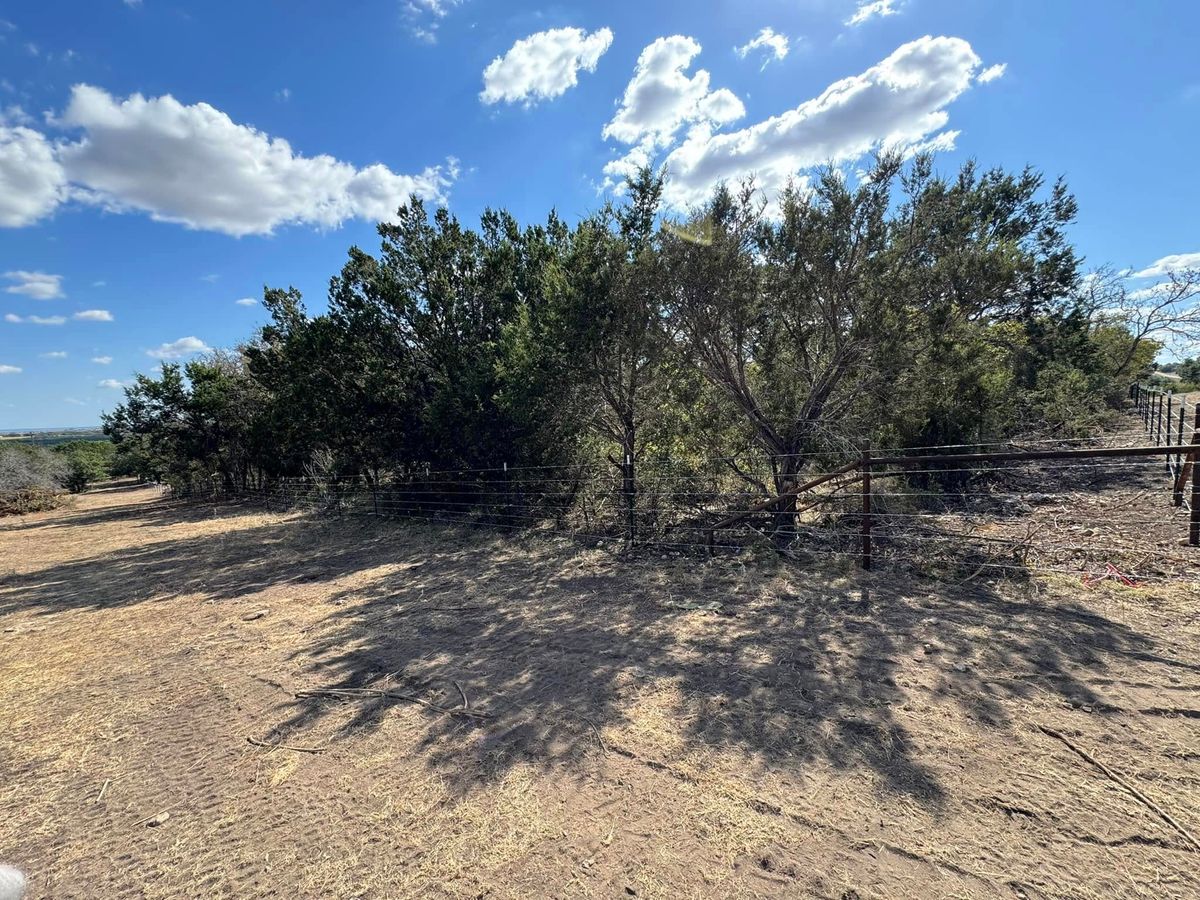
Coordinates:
629	489
1170	400
1194	535
1179	457
866	510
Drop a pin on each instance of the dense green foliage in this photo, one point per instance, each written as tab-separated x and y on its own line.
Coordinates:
905	310
87	462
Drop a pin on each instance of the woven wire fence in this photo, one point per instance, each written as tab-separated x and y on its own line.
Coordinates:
1122	518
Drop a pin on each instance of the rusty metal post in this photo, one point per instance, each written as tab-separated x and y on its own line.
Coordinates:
866	510
1194	534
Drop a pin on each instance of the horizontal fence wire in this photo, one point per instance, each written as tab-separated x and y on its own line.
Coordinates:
1012	508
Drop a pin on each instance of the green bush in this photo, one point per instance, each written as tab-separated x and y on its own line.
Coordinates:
87	463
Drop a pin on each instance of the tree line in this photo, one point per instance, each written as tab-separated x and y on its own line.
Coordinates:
902	308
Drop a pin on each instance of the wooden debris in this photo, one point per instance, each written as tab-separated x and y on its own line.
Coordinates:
257	743
361	693
1113	776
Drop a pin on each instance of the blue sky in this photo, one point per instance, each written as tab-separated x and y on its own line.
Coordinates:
161	160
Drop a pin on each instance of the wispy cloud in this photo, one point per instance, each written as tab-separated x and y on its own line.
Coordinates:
991	73
38	285
1176	262
872	9
34	320
425	16
775	46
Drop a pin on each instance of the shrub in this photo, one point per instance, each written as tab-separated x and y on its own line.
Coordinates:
87	462
31	478
27	500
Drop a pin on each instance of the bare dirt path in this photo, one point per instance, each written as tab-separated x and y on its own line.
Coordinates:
582	732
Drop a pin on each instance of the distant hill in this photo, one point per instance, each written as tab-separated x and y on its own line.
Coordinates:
48	437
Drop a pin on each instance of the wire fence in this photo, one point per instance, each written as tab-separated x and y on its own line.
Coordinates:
1096	509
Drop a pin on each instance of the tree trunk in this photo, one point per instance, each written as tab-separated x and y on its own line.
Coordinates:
787	470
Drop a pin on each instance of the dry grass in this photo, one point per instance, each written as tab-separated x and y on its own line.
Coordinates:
823	736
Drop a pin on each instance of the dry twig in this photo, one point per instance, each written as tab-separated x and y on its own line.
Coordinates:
1150	804
360	693
257	743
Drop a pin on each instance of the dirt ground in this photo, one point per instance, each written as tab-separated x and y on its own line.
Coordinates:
561	722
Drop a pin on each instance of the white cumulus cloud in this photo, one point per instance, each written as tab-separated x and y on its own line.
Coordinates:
38	285
899	102
774	46
102	360
661	97
246	301
54	354
110	383
10	370
1176	262
185	346
94	315
193	165
544	65
32	182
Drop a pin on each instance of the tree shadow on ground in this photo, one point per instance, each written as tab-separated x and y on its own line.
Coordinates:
555	643
221	565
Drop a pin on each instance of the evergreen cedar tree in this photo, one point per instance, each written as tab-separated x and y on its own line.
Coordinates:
902	308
